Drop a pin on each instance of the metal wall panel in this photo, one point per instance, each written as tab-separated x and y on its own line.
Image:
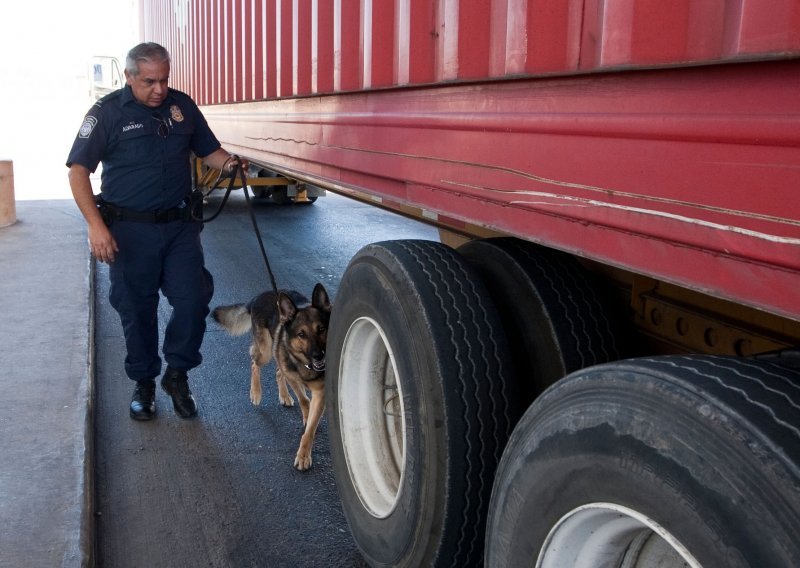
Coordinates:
245	50
617	138
689	175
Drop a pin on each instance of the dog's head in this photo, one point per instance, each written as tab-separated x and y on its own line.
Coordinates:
307	328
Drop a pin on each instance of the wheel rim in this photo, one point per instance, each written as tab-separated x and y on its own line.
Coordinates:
604	534
371	417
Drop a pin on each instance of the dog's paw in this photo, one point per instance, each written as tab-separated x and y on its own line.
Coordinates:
286	400
302	462
255	397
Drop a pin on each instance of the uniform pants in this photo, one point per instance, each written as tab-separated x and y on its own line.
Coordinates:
166	257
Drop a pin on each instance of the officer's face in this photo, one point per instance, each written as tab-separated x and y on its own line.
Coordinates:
150	85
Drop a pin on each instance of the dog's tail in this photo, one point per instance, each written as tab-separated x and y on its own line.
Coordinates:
235	318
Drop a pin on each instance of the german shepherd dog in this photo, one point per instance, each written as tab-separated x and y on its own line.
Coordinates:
294	331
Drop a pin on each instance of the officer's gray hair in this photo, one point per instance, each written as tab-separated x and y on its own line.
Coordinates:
148	51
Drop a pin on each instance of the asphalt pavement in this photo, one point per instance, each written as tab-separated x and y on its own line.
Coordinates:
53	486
46	363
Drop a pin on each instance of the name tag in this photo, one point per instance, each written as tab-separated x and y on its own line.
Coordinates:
132	126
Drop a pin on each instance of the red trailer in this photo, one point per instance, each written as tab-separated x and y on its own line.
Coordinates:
618	188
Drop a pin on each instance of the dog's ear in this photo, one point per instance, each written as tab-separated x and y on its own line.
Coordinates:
319	298
286	308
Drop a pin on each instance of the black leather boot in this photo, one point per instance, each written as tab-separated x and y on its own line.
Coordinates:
176	385
143	404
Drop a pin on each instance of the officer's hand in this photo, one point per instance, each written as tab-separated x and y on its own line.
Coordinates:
102	244
234	161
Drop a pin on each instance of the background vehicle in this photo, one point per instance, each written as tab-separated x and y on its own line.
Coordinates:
639	163
264	184
105	74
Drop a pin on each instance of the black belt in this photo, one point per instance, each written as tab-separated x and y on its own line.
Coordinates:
113	213
160	216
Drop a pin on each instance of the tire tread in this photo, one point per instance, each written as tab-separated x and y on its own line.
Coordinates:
478	352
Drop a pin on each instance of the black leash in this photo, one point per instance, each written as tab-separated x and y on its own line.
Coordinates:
237	169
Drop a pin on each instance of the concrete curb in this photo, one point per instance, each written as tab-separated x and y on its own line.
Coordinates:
47	376
87	533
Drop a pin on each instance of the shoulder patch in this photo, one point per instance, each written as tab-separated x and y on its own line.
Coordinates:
88	125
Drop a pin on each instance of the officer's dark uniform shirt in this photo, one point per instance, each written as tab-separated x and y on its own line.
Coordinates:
145	151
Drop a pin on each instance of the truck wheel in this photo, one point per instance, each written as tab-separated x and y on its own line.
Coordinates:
670	461
276	193
279	195
417	410
555	319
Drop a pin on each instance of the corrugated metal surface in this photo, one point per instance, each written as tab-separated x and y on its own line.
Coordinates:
687	173
246	50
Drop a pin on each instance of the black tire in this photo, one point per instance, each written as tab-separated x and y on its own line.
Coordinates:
555	317
705	449
413	316
279	195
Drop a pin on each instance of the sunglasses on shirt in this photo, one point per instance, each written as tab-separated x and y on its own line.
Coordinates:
164	124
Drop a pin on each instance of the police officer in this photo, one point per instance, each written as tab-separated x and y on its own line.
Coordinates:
143	134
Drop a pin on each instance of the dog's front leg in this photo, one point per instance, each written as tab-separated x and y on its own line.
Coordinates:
283	393
299	389
303	459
